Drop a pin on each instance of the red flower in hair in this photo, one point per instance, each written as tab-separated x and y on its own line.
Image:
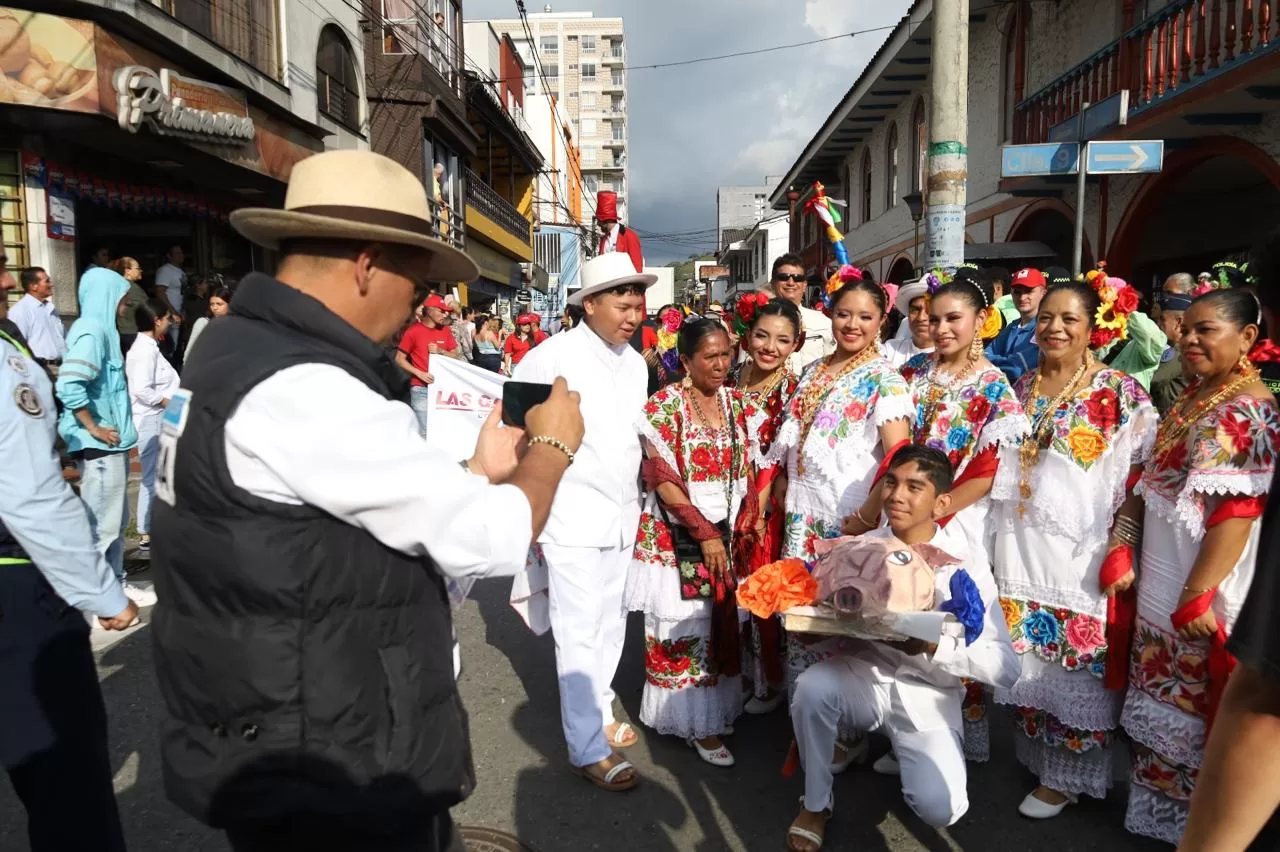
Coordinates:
1126	300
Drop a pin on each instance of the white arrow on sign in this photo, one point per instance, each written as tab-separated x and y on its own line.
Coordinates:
1134	159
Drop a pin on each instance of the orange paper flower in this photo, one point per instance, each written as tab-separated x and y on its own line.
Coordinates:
776	587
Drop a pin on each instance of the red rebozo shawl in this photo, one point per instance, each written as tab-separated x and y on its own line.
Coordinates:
1221	662
726	640
982	466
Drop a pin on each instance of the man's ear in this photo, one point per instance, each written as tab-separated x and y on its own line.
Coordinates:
942	506
365	264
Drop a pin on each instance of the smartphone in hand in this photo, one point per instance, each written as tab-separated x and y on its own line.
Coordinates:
519	397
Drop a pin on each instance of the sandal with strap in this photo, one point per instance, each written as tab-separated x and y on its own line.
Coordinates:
609	780
623	736
805	834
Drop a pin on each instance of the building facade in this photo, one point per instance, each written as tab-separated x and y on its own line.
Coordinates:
1200	76
583	60
739	207
143	127
750	259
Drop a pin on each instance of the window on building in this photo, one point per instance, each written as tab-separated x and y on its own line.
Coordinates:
573	96
588	100
401	33
588	126
13	220
588	70
1013	89
443	169
615	79
337	86
552	72
573	66
866	187
247	28
891	168
592	184
549	44
919	148
588	44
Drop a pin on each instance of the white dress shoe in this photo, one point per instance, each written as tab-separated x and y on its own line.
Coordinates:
1034	808
760	706
887	764
854	752
716	757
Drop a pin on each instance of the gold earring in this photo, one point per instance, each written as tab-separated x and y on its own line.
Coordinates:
686	382
975	348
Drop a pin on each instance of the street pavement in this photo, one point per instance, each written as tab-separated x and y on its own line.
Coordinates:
524	788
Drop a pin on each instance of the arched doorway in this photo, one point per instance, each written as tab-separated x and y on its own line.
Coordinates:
1052	225
901	271
1214	200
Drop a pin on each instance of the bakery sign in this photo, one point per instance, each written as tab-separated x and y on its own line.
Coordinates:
172	105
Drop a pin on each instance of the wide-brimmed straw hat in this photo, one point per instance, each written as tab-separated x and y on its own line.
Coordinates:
356	195
908	293
609	270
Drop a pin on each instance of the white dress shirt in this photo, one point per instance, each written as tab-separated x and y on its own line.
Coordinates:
172	279
900	350
819	341
313	434
39	323
151	378
598	504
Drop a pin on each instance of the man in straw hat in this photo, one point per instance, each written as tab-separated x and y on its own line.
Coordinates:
914	336
589	537
304	532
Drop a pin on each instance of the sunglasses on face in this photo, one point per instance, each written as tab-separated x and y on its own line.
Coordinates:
790	276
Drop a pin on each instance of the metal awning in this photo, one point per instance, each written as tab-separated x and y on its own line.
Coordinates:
1029	250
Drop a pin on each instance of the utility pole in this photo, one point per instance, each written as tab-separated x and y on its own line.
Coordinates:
946	189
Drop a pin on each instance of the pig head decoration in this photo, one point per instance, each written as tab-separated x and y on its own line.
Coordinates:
873	574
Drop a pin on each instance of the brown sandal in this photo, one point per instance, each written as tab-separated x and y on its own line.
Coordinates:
608	781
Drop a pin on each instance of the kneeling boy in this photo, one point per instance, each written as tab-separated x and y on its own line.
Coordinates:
910	691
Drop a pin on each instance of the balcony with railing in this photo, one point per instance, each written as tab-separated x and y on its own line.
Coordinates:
448	223
617	140
1182	45
614	55
248	29
614	83
486	201
408	30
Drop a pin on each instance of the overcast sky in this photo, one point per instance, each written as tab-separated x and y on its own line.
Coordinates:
730	122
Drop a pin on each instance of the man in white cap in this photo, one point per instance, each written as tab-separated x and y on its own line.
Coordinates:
304	531
590	535
913	337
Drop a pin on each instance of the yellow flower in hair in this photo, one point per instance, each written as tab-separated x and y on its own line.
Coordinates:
991	328
1107	318
1107	295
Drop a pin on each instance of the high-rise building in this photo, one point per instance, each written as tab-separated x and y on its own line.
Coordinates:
583	59
739	207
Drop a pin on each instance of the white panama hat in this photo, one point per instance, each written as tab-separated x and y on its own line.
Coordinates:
606	271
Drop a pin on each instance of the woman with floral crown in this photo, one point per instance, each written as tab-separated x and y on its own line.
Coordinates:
1204	489
1066	525
769	331
965	408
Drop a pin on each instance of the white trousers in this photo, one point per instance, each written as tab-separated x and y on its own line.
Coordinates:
589	625
843	693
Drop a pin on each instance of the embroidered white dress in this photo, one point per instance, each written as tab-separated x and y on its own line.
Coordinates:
684	693
1048	553
1230	452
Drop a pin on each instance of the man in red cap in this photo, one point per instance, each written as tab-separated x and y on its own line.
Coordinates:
617	236
1014	350
430	335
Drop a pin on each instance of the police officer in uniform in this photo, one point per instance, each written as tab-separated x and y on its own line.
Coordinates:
53	724
304	531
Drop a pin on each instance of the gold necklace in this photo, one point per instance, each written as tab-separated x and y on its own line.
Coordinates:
770	383
938	389
692	396
809	400
1186	413
1029	452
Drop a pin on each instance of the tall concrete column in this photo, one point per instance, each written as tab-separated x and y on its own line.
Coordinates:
946	190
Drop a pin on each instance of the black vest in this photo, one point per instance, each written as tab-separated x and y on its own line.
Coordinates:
307	668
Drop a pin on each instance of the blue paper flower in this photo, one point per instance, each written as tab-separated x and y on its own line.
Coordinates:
1040	628
958	438
966	605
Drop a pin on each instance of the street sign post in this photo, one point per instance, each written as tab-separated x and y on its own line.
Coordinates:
1124	157
1038	160
1098	119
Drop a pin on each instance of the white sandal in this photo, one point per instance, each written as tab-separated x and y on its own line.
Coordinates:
805	834
620	735
854	752
718	757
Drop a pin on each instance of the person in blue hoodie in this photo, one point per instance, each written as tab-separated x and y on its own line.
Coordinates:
1015	350
96	420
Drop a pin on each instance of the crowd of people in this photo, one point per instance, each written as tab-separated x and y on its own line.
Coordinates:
1093	519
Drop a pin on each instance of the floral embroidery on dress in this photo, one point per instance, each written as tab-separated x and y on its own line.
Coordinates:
849	402
1161	776
1045	727
676	663
1057	634
1085	426
963	413
766	411
974	704
1170	670
808	529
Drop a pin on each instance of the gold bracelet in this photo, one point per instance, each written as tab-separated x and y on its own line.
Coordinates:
857	513
1197	591
553	442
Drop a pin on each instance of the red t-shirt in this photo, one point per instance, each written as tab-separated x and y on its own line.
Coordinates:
415	344
517	348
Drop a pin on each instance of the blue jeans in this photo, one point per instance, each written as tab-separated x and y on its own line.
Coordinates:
418	400
148	427
104	489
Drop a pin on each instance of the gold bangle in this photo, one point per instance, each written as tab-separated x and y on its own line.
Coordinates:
553	442
857	513
1198	591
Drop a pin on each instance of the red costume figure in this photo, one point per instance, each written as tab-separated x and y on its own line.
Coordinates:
616	236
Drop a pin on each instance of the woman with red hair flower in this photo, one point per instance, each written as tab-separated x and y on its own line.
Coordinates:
1066	526
1212	465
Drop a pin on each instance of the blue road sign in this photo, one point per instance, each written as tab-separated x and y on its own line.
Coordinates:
1124	157
1032	160
1098	119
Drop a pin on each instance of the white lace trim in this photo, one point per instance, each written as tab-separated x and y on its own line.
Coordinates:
977	740
1073	599
650	434
755	422
895	407
1009	428
1188	510
1174	735
1064	770
695	711
1153	815
1076	699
